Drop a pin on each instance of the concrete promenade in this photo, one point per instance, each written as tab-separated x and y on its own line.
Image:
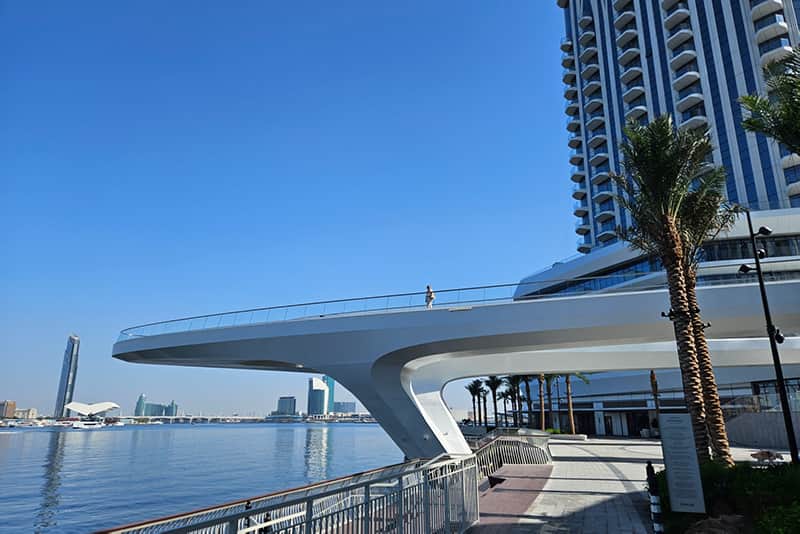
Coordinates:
595	486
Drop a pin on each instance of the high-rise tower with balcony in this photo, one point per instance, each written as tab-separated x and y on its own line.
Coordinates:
637	59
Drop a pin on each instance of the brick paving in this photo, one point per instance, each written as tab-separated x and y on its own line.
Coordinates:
594	486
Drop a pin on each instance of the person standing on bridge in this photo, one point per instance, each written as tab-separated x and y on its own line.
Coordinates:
430	296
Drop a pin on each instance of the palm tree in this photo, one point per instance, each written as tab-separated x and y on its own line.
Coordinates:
494	382
541	401
777	115
484	394
516	399
568	381
548	381
704	215
661	162
528	399
504	396
473	388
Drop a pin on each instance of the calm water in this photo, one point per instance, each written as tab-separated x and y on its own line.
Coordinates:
79	481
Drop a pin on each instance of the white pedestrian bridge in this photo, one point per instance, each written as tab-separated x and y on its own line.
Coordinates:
396	356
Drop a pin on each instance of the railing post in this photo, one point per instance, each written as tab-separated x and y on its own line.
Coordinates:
367	511
464	495
309	514
400	506
426	502
447	504
233	526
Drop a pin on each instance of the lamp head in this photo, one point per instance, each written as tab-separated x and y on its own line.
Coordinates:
744	269
765	231
762	254
779	338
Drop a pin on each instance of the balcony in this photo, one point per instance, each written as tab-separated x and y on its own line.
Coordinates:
604	214
591	85
583	246
586	37
601	174
635	109
577	174
567	61
628	53
685	76
603	192
667	4
576	156
620	5
689	97
627	35
633	90
677	13
588	53
590	69
682	55
598	155
566	44
790	160
582	227
585	20
694	117
578	191
597	137
680	34
761	8
575	141
571	107
568	75
570	92
623	18
607	230
631	71
562	3
593	104
573	124
580	208
770	27
595	120
774	50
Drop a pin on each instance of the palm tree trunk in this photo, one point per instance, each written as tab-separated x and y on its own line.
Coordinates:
715	420
541	402
550	404
474	412
480	419
505	411
519	405
569	405
529	401
485	418
687	356
494	402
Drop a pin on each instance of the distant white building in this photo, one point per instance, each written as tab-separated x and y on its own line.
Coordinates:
27	413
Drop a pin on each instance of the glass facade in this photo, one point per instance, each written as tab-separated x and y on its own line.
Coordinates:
69	370
638	56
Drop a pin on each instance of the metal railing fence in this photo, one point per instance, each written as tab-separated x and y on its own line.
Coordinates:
440	495
504	446
465	296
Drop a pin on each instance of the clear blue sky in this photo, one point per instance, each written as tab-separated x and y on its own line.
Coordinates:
164	159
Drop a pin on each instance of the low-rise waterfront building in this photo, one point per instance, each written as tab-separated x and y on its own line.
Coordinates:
286	406
26	413
7	409
153	409
344	407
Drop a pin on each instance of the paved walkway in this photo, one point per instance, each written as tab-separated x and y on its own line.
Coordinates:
595	486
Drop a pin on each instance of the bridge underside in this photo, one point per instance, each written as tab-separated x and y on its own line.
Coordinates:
397	363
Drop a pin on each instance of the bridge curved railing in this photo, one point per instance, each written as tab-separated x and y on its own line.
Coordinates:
464	296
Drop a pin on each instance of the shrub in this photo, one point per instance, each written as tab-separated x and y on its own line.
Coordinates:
781	520
756	493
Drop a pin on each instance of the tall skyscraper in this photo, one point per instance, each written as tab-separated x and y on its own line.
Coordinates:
330	383
638	59
286	406
317	397
141	402
7	409
69	370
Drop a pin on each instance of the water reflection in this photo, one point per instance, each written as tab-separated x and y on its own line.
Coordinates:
54	461
316	454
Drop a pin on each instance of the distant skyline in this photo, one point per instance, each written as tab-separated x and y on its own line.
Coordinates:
163	160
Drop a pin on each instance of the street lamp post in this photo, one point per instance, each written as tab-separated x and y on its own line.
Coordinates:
774	334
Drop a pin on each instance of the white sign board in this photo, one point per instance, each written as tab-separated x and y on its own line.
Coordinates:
680	458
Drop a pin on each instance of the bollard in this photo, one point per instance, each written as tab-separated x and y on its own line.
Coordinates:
655	498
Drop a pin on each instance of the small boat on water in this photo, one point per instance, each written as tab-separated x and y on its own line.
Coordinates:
87	425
